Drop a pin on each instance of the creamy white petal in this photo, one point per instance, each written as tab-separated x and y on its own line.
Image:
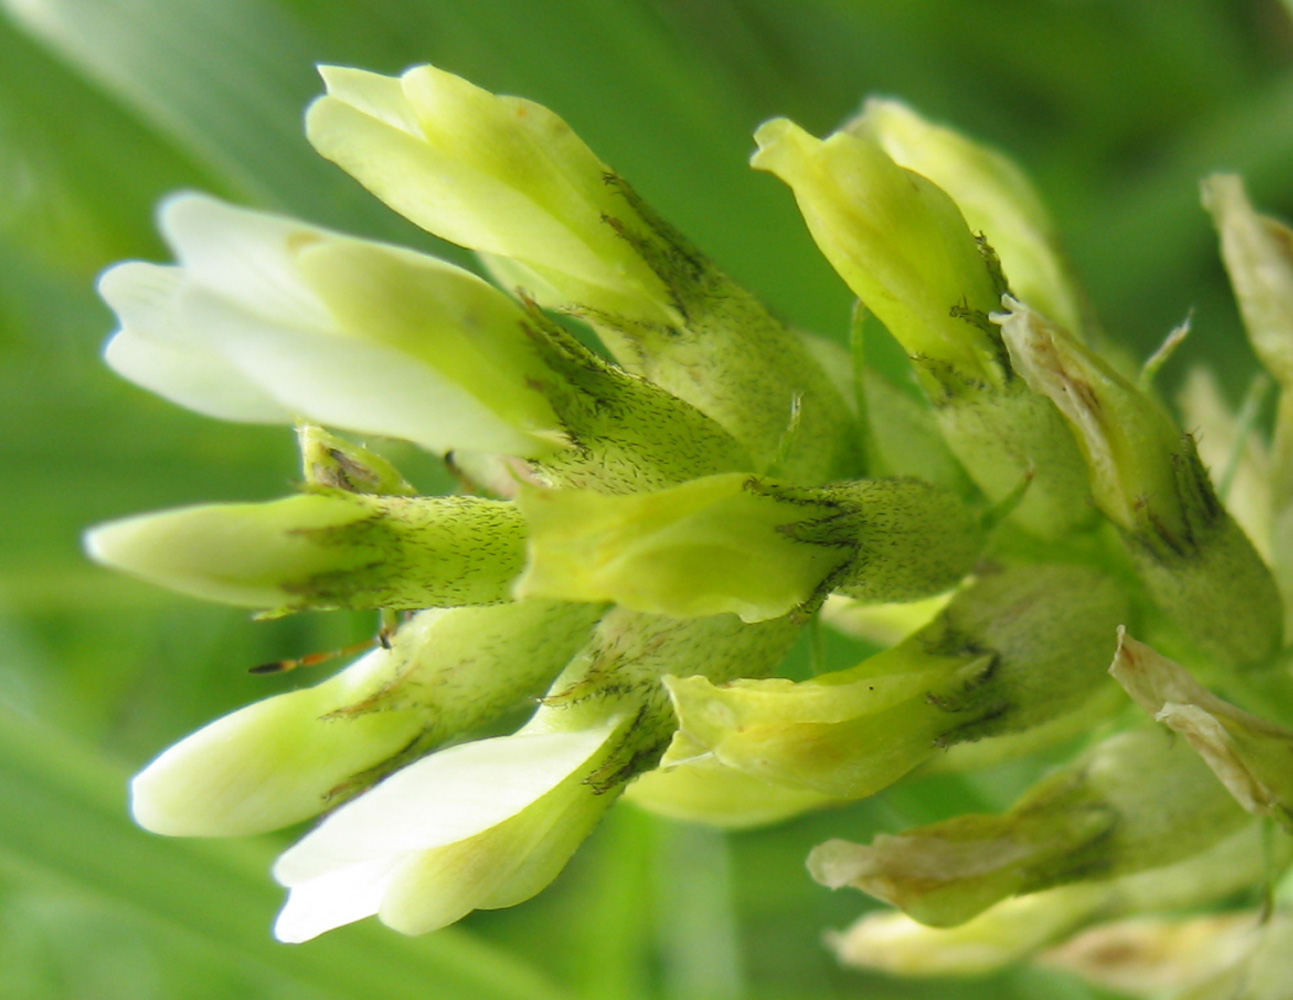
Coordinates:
500	867
333	899
442	799
200	381
274	762
245	256
155	349
362	386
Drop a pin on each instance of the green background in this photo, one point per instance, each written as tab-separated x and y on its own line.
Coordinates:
1116	107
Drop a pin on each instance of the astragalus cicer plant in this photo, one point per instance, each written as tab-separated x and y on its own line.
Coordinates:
646	531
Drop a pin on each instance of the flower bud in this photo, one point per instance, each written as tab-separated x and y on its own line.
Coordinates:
898	241
1147	478
325	550
1136	801
478	825
892	942
509	178
995	196
272	763
1253	758
1009	653
501	175
291	756
1258	253
902	245
741	545
343	331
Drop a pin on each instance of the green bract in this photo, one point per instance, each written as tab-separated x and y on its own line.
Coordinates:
643	534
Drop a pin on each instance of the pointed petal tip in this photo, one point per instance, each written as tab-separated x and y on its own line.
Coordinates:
769	136
105	543
291	927
179	207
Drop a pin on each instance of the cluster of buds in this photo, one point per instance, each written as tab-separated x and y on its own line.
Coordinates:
644	532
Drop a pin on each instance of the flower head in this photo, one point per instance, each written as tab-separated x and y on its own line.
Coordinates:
644	532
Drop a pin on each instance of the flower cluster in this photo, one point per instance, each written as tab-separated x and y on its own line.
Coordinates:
647	529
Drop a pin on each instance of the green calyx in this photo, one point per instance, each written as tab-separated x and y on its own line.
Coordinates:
1009	653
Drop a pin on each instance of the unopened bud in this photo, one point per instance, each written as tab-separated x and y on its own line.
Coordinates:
1258	252
325	550
291	756
902	245
993	193
272	763
502	175
1015	928
751	547
1007	654
899	242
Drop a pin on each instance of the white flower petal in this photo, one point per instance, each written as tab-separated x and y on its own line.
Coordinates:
143	297
156	350
500	867
442	799
353	384
245	256
197	380
334	899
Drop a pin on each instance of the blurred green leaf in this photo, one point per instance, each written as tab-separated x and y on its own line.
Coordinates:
226	82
